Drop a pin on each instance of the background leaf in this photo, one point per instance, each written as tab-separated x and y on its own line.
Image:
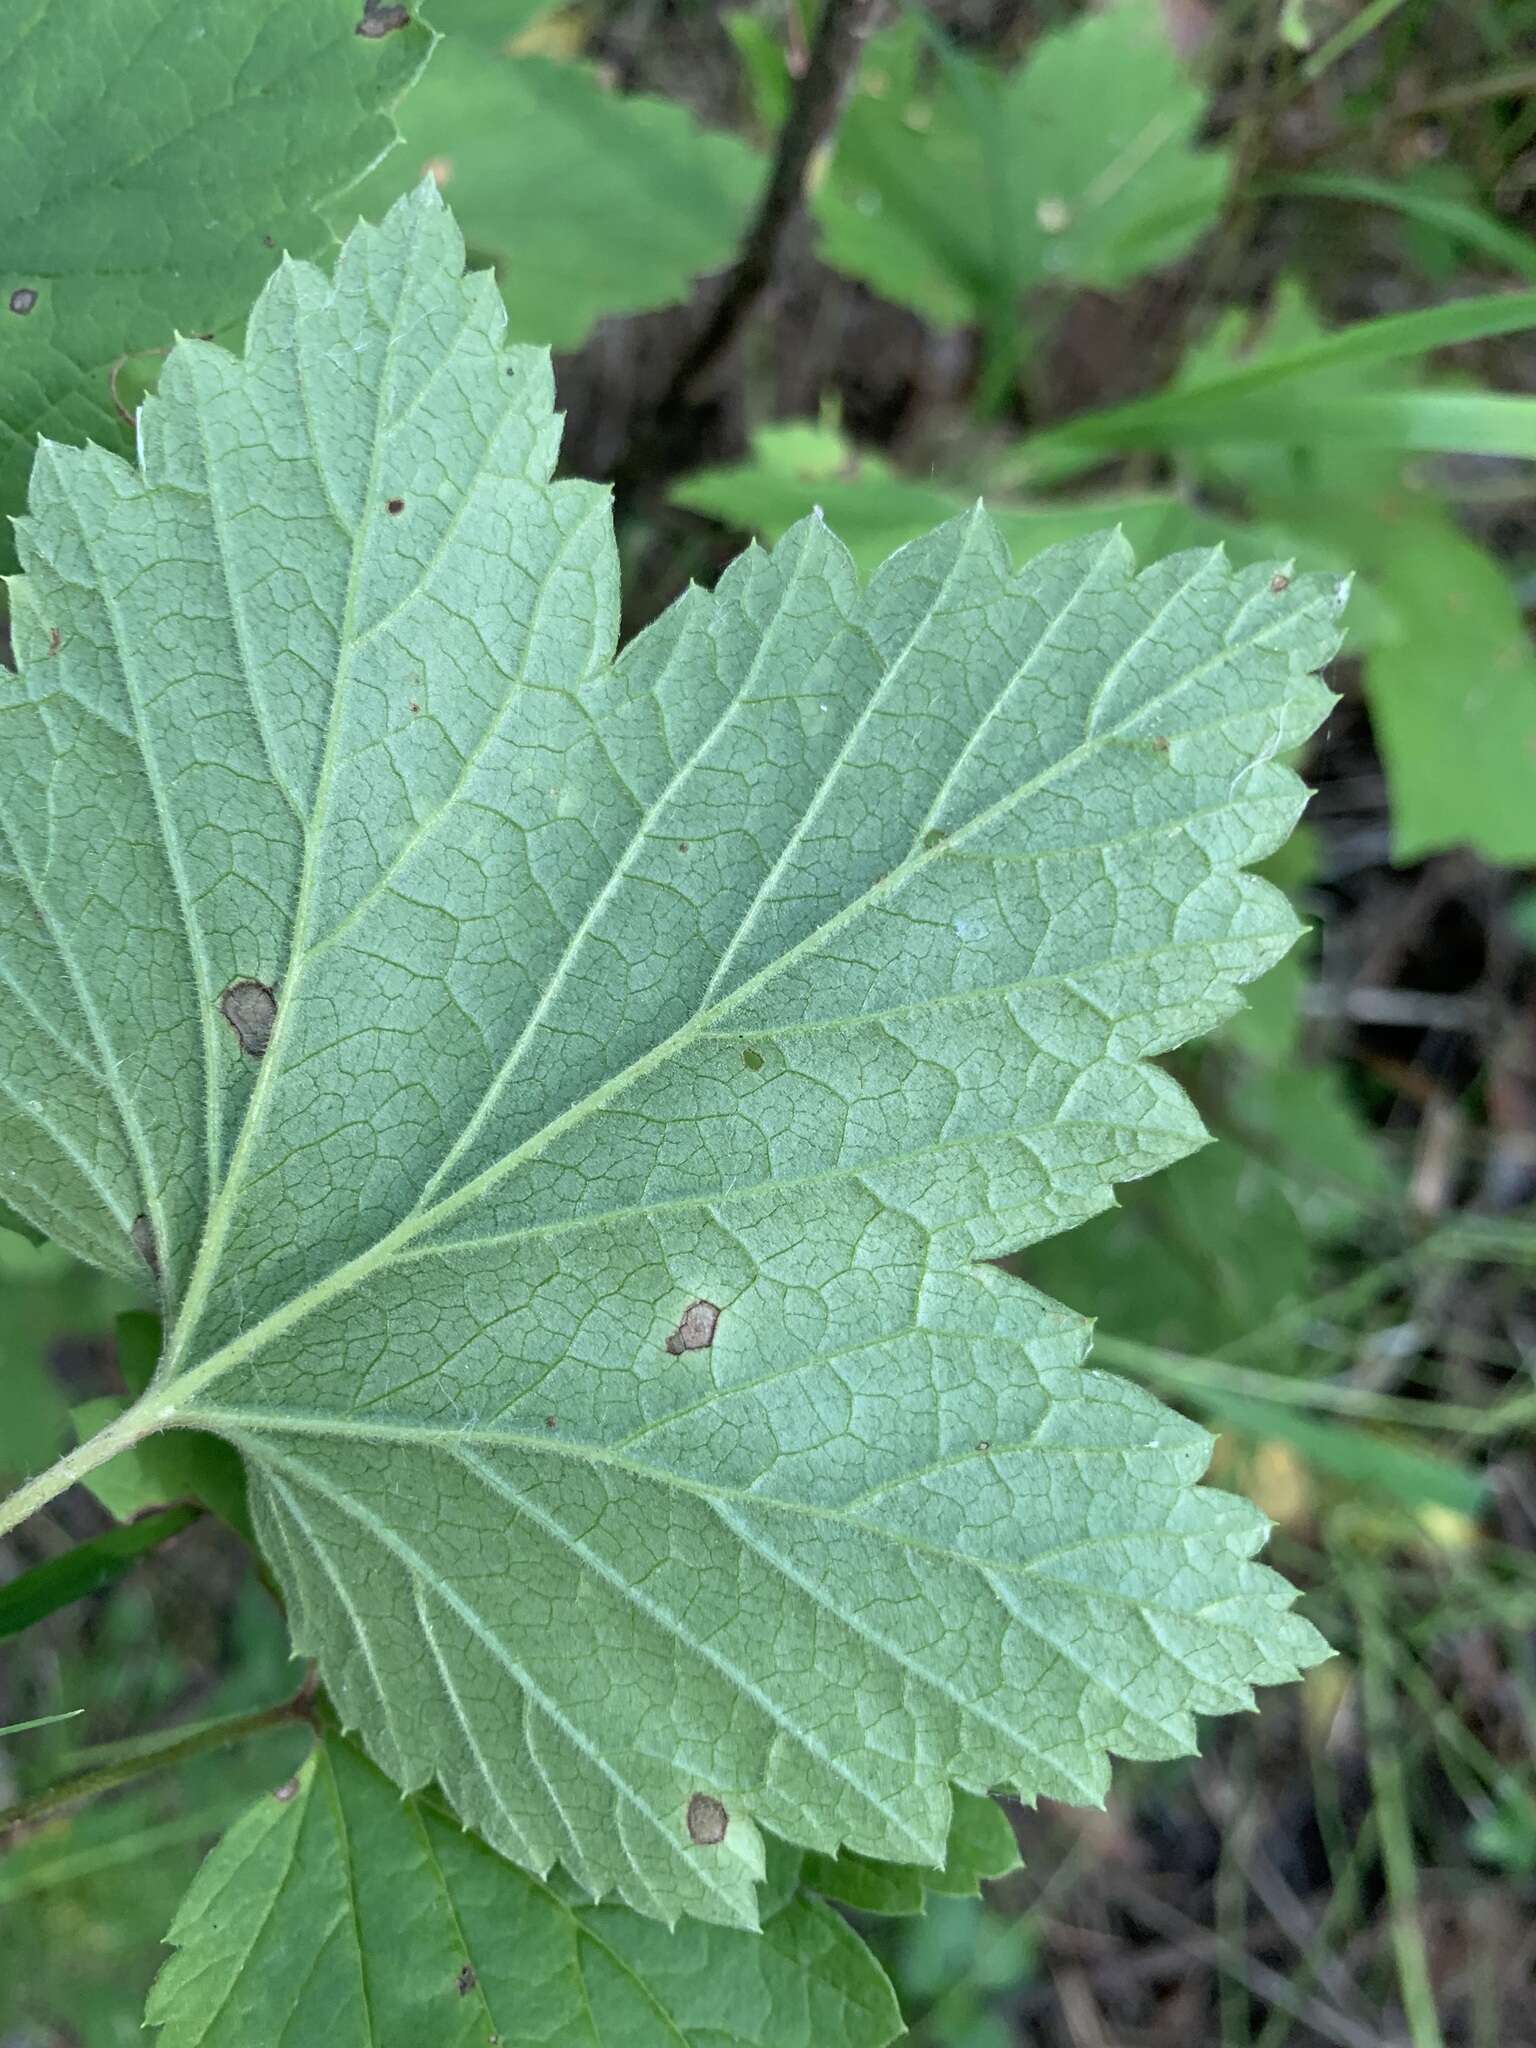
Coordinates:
586	201
154	159
955	185
980	1846
334	1909
797	469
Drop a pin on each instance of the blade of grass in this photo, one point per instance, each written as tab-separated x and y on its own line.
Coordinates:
1384	1756
21	1878
1370	17
1468	224
42	1721
1174	416
1357	1456
1404	422
86	1568
1208	1375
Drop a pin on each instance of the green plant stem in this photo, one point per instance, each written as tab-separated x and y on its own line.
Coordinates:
176	1748
121	1434
1370	17
1399	1867
1174	1368
87	1568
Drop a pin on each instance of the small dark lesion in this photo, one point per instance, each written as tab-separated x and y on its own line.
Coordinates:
249	1008
23	299
707	1820
142	1235
466	1980
696	1330
380	21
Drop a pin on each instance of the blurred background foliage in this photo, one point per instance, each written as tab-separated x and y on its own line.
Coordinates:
1253	271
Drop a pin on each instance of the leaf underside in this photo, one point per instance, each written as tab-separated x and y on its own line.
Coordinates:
335	1911
571	1101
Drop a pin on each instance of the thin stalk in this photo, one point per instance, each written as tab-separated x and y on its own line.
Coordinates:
1370	17
1398	1864
120	1434
175	1748
1176	1369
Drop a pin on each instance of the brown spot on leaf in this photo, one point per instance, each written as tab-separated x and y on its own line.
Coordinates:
267	242
382	21
682	846
286	1792
984	1445
707	1820
1160	744
249	1008
696	1331
465	1981
1279	582
55	640
23	299
551	1421
143	1237
414	705
395	505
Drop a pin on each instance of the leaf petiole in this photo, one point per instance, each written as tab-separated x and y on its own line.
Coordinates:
135	1423
177	1746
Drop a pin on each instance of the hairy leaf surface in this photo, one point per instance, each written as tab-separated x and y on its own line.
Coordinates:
154	159
335	1911
569	1102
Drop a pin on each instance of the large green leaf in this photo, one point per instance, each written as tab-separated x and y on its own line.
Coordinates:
335	1911
571	1102
587	201
955	185
154	158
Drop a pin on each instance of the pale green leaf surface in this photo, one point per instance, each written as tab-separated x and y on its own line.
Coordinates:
337	1912
586	201
955	185
154	158
788	966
